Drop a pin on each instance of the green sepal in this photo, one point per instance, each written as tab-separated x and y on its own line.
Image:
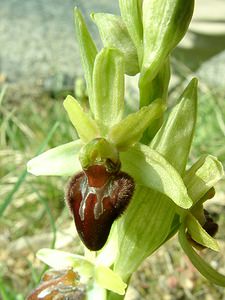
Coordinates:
87	48
164	24
59	161
202	176
85	126
205	269
142	229
87	269
150	169
108	88
114	34
109	280
129	131
63	260
199	235
174	138
131	12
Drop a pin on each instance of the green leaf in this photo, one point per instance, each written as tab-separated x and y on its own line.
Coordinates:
199	235
205	269
150	169
142	229
131	12
114	34
86	127
108	87
130	130
60	161
109	280
164	24
62	260
174	138
88	49
202	176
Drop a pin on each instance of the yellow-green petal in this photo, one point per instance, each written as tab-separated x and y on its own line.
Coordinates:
109	280
86	127
130	130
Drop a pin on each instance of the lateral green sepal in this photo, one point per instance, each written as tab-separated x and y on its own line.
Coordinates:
59	161
205	269
114	34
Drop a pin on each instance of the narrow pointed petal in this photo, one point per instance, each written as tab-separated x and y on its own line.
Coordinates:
108	87
109	280
150	169
129	131
59	161
199	235
86	127
204	268
87	47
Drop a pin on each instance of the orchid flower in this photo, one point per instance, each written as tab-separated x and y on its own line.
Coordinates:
130	189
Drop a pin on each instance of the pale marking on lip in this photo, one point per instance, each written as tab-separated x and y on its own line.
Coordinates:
101	193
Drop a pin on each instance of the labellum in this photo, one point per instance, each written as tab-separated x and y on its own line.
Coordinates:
96	197
59	285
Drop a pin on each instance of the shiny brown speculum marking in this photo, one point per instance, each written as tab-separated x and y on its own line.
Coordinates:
96	198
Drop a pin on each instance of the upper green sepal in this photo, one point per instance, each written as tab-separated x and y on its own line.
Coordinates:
108	88
129	131
114	34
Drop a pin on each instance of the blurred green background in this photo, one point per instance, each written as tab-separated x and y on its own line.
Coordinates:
39	66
